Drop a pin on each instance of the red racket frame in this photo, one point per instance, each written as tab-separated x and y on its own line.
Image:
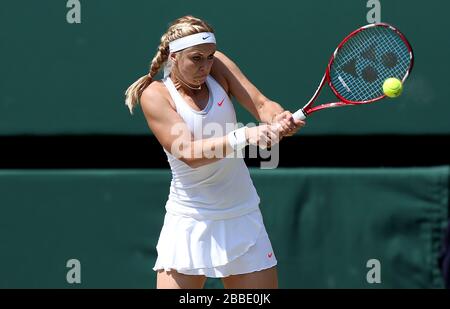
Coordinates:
326	79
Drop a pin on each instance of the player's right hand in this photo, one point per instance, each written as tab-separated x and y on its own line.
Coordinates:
264	136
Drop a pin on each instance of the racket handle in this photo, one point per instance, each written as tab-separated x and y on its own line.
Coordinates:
299	115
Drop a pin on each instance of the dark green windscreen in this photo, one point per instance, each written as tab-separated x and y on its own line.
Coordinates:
324	225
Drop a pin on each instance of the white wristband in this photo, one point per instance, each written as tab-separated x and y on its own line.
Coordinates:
237	138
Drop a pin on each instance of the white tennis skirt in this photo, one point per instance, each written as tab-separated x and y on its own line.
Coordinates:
214	248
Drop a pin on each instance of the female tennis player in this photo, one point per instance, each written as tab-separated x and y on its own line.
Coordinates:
213	225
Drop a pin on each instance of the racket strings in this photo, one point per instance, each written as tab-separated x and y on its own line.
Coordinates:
350	53
366	60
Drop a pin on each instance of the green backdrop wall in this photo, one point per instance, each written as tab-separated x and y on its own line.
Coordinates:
70	78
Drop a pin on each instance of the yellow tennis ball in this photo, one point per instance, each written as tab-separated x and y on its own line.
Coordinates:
392	87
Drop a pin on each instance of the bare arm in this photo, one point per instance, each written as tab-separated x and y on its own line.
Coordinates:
263	109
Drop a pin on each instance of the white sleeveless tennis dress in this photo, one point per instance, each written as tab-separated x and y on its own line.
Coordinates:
213	225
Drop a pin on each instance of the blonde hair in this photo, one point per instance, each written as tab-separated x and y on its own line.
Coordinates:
179	28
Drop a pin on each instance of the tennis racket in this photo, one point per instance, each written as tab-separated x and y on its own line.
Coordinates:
360	65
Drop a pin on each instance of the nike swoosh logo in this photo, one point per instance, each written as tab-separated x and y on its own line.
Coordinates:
221	102
206	37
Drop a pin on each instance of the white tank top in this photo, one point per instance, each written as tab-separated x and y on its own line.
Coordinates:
219	190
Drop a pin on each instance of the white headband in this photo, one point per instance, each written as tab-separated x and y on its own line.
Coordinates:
192	40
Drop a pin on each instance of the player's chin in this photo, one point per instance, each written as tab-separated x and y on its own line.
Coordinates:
199	80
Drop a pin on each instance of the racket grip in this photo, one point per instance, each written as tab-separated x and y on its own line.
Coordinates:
299	115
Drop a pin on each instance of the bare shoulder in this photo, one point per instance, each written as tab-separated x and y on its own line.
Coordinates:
224	63
155	98
226	71
161	117
220	70
221	56
155	92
